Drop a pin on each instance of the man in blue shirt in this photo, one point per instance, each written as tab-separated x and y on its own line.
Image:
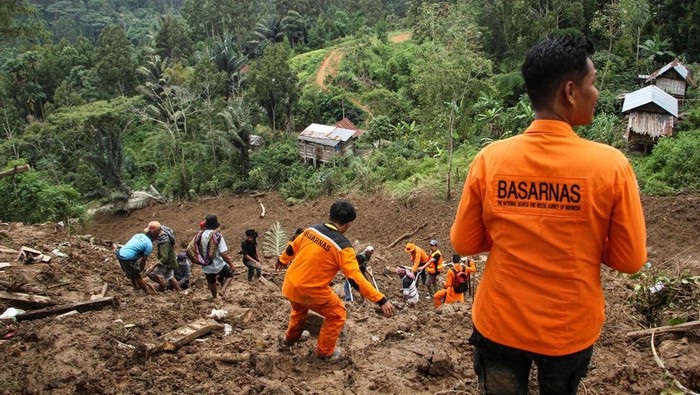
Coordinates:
132	256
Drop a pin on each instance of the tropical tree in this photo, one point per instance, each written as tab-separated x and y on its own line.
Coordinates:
269	31
238	126
296	28
116	65
11	11
275	86
173	39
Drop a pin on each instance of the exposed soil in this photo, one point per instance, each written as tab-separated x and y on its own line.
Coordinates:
420	350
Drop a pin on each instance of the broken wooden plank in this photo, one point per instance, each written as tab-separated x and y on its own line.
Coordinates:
231	357
31	250
22	300
664	329
81	307
15	287
15	170
59	284
179	337
8	250
5	265
102	293
30	255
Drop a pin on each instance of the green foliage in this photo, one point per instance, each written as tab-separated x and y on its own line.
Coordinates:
606	129
275	240
30	197
274	85
661	299
116	66
306	65
672	166
273	164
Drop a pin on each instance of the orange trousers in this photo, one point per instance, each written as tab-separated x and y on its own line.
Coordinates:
448	295
333	312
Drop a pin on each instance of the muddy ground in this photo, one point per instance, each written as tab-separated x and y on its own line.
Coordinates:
419	351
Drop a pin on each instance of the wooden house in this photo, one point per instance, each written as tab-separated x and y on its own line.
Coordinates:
652	114
320	143
674	79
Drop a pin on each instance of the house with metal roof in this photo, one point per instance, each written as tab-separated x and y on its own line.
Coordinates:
652	114
321	143
674	79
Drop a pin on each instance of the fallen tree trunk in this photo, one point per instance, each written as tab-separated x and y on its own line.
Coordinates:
664	329
179	337
91	305
14	170
407	235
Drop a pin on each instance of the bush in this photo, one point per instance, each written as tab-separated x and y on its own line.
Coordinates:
31	198
672	166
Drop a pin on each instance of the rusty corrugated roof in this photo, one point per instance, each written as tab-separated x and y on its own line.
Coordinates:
678	67
325	134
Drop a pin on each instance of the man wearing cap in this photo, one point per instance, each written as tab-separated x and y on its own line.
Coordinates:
418	259
318	254
362	260
433	267
167	261
132	256
249	246
221	264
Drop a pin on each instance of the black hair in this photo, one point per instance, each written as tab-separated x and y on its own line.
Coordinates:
456	258
553	61
342	212
296	233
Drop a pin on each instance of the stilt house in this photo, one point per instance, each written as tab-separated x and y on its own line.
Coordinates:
674	79
652	113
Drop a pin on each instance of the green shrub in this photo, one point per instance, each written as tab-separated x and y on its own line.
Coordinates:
31	198
672	166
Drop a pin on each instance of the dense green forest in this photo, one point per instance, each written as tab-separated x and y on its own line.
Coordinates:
103	97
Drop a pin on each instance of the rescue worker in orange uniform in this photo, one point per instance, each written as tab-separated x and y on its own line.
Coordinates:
319	253
418	259
448	294
549	207
433	267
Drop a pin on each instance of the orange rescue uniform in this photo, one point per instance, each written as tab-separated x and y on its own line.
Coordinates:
318	254
448	294
418	257
549	207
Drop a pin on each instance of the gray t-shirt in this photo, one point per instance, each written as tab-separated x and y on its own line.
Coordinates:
219	262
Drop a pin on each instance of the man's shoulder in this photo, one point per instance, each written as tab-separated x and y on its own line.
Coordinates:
332	235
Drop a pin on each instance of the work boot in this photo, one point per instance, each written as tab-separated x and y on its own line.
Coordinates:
285	344
337	354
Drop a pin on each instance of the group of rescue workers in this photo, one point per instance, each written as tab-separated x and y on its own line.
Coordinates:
540	301
425	269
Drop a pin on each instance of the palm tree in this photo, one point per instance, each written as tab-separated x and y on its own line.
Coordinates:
267	32
238	122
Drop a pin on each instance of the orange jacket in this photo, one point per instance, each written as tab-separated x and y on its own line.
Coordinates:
549	207
451	295
318	254
419	258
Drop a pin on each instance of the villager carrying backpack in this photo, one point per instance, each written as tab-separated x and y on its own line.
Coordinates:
200	257
460	283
